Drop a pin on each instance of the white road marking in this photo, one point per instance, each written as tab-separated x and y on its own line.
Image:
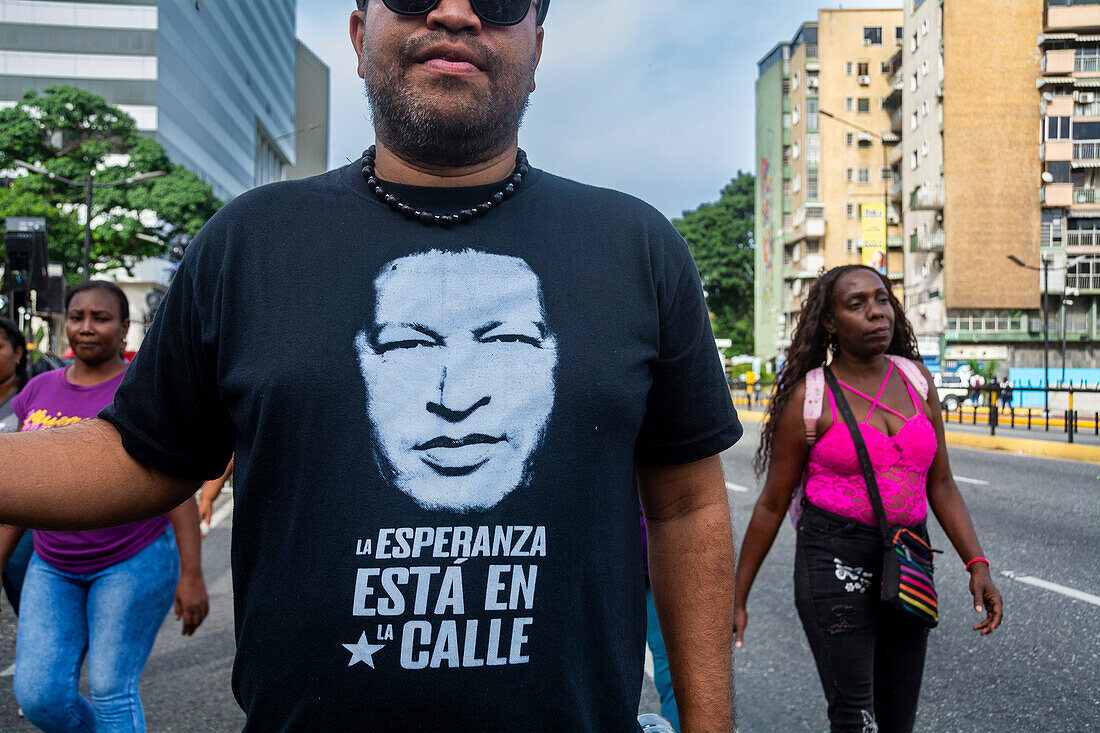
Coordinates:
223	513
975	481
736	487
648	662
9	672
1047	585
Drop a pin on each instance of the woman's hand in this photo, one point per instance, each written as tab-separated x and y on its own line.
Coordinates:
192	604
740	620
987	598
206	511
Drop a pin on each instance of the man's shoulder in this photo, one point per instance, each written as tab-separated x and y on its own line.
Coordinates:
593	197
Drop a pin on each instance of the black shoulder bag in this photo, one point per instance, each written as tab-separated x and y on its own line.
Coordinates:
907	583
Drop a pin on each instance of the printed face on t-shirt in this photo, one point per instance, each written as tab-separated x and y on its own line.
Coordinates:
458	362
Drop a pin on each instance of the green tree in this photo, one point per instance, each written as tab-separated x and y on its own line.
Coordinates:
720	236
69	132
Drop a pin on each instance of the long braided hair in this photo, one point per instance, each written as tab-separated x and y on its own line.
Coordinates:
811	346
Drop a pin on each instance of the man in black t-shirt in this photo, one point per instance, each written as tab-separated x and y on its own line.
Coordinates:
438	531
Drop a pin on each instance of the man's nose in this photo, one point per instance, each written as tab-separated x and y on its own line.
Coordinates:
461	392
455	16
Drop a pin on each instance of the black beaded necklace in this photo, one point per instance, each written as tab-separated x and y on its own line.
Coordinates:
409	212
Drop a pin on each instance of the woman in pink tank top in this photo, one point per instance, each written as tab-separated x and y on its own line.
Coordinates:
869	656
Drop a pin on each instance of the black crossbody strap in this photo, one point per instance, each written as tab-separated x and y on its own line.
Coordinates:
861	451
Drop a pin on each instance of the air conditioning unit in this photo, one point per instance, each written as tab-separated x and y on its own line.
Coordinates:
1086	97
864	81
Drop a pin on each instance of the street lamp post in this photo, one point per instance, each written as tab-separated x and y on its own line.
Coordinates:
1045	269
89	186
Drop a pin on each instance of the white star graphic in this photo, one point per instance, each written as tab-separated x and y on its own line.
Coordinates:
362	651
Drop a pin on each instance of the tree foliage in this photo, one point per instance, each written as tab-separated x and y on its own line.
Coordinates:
70	132
720	236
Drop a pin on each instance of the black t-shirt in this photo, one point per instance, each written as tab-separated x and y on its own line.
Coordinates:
435	521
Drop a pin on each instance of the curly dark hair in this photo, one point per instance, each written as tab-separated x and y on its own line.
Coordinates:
15	337
812	345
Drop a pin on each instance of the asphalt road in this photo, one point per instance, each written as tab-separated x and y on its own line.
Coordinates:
1039	672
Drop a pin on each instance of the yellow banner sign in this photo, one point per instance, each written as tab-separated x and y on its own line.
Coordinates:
873	217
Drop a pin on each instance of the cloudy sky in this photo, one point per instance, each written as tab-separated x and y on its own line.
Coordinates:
651	97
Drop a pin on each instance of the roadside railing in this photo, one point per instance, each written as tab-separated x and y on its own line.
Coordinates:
974	409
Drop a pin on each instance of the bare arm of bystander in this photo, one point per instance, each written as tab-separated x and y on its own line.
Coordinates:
691	571
80	477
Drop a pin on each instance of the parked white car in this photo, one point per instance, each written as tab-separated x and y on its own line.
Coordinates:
951	388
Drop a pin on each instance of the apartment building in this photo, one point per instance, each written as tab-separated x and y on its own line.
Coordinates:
1069	230
826	158
214	81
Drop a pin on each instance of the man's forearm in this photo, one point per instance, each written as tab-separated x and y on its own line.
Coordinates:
80	477
691	561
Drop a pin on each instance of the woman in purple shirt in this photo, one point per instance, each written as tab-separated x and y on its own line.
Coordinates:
98	593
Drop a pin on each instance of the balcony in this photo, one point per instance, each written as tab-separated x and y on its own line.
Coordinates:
1086	150
894	242
895	120
1057	150
1082	238
1086	63
1072	17
1056	194
926	199
1060	61
895	190
1084	195
927	242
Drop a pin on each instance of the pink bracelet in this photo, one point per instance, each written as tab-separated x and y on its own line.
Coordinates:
977	559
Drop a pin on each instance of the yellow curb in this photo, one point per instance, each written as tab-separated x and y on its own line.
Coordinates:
1041	448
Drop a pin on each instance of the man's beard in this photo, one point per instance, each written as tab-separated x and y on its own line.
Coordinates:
411	123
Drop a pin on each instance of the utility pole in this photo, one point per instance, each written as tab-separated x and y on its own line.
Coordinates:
89	186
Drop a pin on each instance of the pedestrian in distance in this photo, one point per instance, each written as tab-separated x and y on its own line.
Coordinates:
438	530
1006	393
869	653
100	594
13	377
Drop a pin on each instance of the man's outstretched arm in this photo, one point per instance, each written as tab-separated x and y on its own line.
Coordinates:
691	571
80	477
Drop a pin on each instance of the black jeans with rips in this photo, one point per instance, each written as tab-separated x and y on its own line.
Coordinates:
869	655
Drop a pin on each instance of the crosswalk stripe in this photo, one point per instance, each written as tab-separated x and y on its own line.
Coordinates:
1079	595
974	481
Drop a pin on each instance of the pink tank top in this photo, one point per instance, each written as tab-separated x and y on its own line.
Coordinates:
834	481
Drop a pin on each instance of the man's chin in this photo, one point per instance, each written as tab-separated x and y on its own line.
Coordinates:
455	494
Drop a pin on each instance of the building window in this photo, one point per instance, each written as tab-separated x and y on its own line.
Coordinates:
796	183
887	174
852	245
914	42
882	103
1058	128
850	210
811	114
849	174
914	120
813	150
813	246
885	68
924	28
811	184
914	82
863	68
794	81
899	35
864	105
1060	171
849	138
872	36
913	160
1087	58
796	150
796	115
924	149
864	176
849	68
924	68
849	104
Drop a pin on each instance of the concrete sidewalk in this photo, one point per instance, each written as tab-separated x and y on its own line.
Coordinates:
1050	445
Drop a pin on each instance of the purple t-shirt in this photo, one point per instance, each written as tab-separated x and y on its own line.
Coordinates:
52	401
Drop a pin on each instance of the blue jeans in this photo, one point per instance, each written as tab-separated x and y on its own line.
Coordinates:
112	616
661	676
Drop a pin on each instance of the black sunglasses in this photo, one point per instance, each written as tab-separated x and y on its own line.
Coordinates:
497	12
